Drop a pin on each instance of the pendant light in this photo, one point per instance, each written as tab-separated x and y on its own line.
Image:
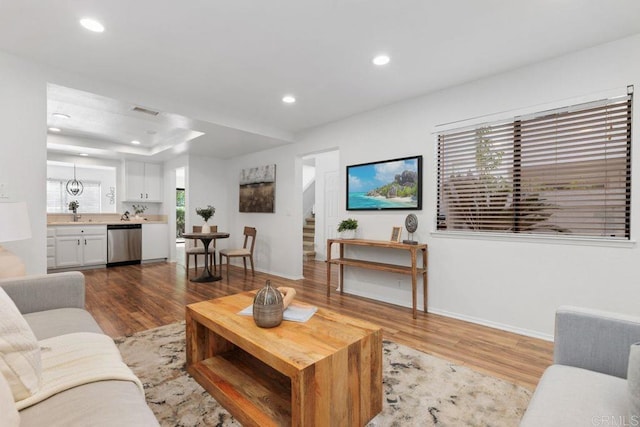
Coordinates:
74	187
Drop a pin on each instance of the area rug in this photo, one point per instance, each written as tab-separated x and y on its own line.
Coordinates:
419	389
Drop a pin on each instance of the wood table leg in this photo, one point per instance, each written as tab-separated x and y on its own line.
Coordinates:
206	275
328	261
197	342
414	280
424	278
341	275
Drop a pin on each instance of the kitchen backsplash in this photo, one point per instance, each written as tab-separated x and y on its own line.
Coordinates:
99	218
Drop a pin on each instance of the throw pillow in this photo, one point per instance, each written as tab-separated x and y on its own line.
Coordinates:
9	416
20	362
633	384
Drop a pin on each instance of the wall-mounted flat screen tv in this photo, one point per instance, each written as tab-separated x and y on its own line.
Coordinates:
390	184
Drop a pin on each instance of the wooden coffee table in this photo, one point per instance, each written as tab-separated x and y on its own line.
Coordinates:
324	372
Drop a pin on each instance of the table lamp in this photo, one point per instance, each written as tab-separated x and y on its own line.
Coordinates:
14	225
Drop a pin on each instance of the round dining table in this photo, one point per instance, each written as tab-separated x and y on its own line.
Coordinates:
206	238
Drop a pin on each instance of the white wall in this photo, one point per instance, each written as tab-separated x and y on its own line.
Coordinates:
512	283
23	167
207	183
279	235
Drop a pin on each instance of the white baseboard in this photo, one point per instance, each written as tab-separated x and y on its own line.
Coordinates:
471	319
276	273
491	324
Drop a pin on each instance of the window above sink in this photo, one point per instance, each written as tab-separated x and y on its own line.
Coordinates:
99	182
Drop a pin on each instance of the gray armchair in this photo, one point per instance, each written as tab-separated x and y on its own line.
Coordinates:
587	384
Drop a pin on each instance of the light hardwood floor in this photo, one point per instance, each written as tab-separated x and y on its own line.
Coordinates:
129	299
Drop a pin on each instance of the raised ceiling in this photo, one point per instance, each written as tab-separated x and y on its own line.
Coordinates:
102	127
232	61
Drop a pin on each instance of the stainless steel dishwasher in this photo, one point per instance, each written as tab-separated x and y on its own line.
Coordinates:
124	244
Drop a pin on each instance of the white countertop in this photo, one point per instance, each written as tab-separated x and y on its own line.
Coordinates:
102	219
90	222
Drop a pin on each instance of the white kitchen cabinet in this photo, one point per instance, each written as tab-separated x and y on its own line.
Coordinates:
155	241
143	182
94	250
68	251
153	182
51	247
78	246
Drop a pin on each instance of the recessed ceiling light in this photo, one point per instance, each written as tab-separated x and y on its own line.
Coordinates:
61	116
55	129
288	99
381	60
84	154
135	142
92	25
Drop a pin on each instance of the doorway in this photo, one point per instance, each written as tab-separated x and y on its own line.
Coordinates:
180	205
321	201
180	215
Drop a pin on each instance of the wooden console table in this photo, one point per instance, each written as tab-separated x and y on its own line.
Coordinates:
413	270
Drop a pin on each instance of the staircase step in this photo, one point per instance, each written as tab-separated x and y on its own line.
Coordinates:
308	237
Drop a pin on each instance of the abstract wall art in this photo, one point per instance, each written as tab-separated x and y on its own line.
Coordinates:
258	189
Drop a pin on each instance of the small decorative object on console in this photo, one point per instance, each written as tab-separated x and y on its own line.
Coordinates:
347	228
411	223
396	234
267	307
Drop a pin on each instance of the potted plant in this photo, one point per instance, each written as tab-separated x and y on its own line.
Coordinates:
206	213
139	210
73	206
347	228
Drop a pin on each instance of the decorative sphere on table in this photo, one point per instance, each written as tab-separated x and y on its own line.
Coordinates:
411	224
267	307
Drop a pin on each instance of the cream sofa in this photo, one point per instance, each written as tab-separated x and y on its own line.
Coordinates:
53	305
587	384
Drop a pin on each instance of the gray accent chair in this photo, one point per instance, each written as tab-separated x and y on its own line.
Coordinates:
53	304
587	383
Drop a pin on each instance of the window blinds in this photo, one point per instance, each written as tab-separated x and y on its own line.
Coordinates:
58	199
565	172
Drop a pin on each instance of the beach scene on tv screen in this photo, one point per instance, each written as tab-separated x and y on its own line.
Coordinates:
385	185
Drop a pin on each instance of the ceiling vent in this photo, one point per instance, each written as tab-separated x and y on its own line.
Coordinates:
145	111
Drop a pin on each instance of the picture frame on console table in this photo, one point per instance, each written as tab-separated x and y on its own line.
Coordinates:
394	184
396	234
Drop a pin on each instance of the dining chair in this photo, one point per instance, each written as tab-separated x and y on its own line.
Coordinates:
245	252
194	247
